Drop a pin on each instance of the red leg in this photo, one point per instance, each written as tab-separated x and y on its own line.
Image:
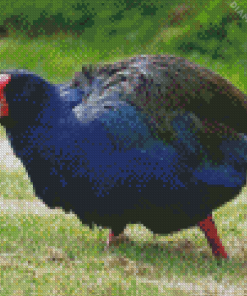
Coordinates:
116	240
208	227
111	235
108	243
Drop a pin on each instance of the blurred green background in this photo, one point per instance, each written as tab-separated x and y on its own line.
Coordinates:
54	39
50	253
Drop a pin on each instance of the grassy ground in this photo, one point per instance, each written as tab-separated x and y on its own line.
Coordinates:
49	252
52	253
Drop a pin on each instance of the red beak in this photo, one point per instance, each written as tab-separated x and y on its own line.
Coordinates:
4	80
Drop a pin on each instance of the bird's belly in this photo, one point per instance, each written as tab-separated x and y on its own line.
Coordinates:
113	187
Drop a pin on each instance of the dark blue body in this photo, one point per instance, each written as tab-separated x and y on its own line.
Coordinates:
104	162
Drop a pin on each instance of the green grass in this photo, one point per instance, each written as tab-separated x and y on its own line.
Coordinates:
41	253
53	253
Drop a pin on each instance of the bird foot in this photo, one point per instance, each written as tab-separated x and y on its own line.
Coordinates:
116	240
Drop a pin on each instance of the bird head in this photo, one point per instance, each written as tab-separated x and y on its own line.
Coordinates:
22	98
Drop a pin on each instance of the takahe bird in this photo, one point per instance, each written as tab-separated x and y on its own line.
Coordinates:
156	140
